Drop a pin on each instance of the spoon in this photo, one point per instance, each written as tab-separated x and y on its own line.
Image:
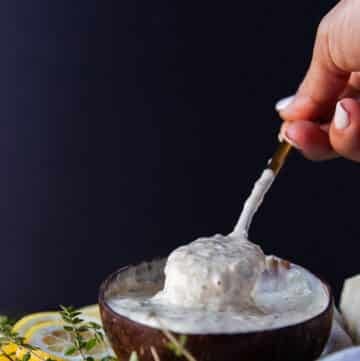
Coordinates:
279	157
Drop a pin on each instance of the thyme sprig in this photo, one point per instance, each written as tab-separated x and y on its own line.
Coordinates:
85	336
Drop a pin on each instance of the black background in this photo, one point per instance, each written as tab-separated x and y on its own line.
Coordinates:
131	127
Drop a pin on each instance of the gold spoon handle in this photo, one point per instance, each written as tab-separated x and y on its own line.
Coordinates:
279	157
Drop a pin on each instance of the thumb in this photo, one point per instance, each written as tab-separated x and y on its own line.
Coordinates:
322	84
345	129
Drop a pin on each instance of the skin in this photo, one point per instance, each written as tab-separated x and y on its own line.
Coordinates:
333	75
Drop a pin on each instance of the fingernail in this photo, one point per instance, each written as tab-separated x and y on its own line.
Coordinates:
341	117
280	137
284	103
288	133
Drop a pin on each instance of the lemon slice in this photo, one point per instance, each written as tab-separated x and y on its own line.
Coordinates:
9	349
90	313
24	324
91	310
36	355
51	338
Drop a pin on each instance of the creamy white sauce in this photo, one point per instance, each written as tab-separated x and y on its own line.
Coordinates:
215	273
253	203
276	301
222	284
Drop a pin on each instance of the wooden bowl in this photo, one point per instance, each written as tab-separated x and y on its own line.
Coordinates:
302	341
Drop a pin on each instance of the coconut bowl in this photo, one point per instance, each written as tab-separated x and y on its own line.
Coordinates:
302	341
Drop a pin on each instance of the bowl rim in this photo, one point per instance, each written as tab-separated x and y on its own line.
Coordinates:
103	304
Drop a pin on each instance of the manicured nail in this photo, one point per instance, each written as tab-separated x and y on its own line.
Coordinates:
341	117
283	103
280	137
287	133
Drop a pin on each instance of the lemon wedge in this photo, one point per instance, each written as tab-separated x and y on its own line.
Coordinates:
51	338
24	324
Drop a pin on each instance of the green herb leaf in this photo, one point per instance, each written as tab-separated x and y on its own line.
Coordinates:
182	340
176	349
108	358
95	325
76	321
134	356
90	344
26	357
70	351
82	328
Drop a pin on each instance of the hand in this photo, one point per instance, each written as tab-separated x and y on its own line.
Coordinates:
329	90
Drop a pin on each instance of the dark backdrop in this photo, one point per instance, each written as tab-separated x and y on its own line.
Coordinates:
131	127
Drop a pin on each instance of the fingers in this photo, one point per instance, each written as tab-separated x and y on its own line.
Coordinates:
322	142
352	89
333	74
345	129
310	138
322	85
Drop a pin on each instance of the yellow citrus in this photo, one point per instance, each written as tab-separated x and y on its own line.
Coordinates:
9	349
37	355
91	310
24	324
51	338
